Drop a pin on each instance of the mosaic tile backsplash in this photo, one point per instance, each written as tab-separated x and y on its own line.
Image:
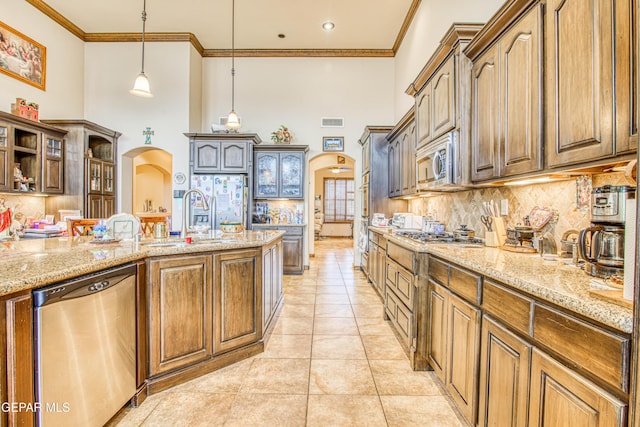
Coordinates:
465	207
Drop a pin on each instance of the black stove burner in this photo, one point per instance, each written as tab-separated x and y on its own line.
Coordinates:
435	238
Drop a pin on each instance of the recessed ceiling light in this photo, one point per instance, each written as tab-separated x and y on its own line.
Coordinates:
281	36
328	26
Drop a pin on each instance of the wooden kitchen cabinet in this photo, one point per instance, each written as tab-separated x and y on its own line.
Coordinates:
437	333
279	171
237	295
90	162
506	113
424	119
292	246
402	157
180	312
5	179
560	397
504	377
53	164
211	156
444	98
377	262
271	282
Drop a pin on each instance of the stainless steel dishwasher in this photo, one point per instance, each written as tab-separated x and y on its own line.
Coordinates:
85	348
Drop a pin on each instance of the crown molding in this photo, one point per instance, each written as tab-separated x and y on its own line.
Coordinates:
411	13
57	17
292	53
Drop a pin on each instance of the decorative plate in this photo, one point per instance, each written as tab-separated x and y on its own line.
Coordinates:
123	226
179	178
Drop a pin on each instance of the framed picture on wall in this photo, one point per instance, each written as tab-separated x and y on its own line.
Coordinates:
21	57
333	143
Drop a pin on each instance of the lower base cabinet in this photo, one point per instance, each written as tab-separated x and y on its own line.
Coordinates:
292	250
271	282
504	377
560	397
180	312
237	289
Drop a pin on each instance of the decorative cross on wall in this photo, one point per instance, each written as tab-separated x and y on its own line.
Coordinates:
147	134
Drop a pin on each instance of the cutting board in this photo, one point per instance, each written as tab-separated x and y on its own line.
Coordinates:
613	296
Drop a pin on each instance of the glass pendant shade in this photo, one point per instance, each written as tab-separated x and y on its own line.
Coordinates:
232	120
141	87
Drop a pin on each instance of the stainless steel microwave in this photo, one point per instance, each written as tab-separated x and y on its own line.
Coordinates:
438	165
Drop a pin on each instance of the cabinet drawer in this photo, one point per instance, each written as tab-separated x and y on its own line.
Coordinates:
439	271
373	237
465	283
292	231
401	317
586	346
402	256
401	282
508	306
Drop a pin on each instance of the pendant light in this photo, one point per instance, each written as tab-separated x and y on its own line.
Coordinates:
233	122
141	85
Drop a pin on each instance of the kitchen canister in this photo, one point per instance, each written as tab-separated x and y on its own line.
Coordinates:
160	230
629	248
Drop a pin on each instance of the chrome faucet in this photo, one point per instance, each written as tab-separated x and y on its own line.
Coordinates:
183	231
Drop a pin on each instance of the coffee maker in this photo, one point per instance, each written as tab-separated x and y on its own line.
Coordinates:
602	244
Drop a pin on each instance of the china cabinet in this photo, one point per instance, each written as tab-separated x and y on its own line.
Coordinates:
279	171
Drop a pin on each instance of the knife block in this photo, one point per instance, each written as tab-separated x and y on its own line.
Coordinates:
499	230
491	239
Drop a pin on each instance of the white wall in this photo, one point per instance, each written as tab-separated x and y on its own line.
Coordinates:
431	22
63	94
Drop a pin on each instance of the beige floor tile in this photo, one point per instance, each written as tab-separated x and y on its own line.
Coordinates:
335	290
134	417
297	310
287	347
226	380
368	310
332	299
374	326
337	281
268	410
299	289
347	411
341	377
337	347
404	411
395	377
335	326
333	310
283	376
293	326
300	299
365	299
383	347
191	409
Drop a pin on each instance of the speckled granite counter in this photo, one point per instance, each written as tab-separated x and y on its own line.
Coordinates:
29	264
553	281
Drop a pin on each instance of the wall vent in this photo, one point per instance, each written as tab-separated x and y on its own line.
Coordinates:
332	122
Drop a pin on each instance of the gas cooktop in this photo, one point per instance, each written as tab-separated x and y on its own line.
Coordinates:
445	237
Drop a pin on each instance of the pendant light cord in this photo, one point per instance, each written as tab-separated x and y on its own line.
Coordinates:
233	57
144	20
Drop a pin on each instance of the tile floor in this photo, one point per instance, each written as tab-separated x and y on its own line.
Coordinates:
331	361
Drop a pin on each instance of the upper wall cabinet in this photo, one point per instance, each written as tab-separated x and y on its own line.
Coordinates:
31	156
441	88
402	157
221	153
279	171
543	89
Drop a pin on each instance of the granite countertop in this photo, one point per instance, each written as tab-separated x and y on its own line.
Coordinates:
33	263
553	281
257	225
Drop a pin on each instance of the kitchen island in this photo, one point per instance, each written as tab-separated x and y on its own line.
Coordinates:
199	306
508	333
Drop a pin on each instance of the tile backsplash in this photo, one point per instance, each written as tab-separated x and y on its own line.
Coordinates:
465	207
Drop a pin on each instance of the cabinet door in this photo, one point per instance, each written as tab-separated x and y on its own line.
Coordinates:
277	275
108	206
180	312
234	156
366	156
53	165
484	117
560	397
267	286
626	62
521	99
424	106
292	254
365	199
444	98
405	171
504	377
464	347
291	175
206	156
94	206
382	270
373	263
437	333
237	299
108	178
410	160
266	175
578	81
392	167
6	180
94	176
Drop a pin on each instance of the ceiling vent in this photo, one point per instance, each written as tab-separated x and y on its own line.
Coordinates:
332	122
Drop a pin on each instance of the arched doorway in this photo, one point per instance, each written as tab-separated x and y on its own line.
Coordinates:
151	188
328	172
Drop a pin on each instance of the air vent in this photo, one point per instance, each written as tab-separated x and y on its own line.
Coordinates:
332	122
